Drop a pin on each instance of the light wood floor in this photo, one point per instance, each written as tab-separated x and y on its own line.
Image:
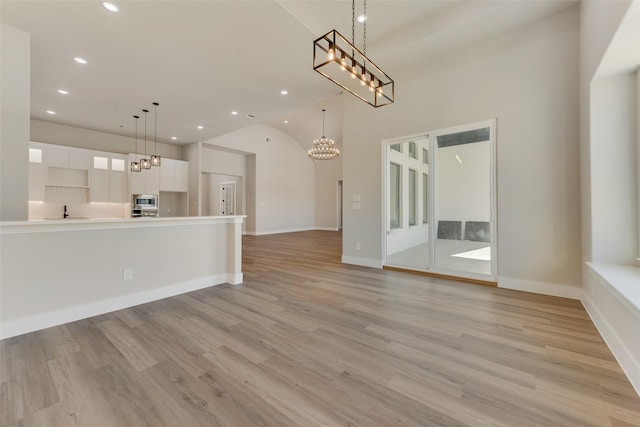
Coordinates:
307	341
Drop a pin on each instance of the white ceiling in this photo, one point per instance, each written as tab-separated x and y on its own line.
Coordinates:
202	59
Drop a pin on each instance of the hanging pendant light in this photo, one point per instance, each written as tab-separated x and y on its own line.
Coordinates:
341	62
145	163
323	148
155	159
135	165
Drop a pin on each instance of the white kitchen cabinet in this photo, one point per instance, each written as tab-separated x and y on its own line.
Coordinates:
80	160
99	189
108	179
182	177
167	175
146	181
57	158
174	175
117	187
36	181
71	159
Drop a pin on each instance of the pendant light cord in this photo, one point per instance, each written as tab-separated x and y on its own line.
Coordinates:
155	131
364	44
323	110
145	131
136	146
353	22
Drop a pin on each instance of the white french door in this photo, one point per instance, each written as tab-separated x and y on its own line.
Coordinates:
439	210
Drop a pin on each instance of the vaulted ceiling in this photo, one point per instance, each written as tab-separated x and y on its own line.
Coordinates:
201	60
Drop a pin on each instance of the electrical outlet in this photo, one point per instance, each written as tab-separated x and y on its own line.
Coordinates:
127	274
358	246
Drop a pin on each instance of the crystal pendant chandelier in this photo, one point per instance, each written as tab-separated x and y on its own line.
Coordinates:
323	148
341	62
135	165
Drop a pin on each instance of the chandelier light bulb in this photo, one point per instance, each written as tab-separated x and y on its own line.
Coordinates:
331	54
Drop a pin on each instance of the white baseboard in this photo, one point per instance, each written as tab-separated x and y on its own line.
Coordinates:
365	262
291	230
545	288
71	314
629	362
234	279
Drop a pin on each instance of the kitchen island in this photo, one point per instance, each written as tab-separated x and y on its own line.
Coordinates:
58	271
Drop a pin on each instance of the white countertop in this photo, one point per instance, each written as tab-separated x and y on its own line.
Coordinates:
71	224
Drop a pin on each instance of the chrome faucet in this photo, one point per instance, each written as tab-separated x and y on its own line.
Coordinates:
66	214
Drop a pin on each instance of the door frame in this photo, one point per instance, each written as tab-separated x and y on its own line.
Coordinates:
493	218
235	198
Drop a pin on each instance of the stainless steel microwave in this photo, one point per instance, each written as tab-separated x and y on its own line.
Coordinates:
144	201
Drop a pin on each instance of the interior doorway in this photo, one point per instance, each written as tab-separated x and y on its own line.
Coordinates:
228	198
439	201
339	205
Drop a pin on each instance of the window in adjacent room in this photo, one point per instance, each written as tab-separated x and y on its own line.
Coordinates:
413	152
413	197
395	195
425	209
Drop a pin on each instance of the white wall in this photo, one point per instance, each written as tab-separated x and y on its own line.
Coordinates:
606	160
222	161
638	159
328	173
192	153
613	182
284	178
14	116
54	133
211	183
599	21
527	80
53	273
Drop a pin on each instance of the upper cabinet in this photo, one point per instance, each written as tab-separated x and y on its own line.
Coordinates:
147	181
108	178
174	176
36	174
68	174
65	158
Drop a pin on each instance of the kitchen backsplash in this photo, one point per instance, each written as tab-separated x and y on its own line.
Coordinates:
46	210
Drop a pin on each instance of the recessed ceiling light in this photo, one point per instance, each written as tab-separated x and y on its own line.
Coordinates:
174	137
250	116
51	112
110	6
80	60
286	121
200	127
63	92
283	92
361	18
235	113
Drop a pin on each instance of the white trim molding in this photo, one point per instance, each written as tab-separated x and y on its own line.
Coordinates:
71	314
364	262
616	318
536	287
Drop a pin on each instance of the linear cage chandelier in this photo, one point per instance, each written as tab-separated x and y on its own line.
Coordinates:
323	147
344	64
145	163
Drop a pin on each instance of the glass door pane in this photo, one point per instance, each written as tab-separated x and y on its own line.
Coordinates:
463	201
406	181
